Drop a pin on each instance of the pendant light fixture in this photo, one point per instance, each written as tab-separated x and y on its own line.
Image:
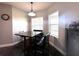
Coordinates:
31	13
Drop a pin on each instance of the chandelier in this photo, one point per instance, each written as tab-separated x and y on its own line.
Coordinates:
31	13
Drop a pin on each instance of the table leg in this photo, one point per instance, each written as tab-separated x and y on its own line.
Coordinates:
24	46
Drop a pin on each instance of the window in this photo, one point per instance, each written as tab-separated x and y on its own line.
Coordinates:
53	24
37	23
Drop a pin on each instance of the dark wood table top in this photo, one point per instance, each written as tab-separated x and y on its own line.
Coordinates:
25	34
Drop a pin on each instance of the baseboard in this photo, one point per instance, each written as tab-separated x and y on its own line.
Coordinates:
10	44
57	48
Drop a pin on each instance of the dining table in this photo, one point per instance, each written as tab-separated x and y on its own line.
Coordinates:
25	36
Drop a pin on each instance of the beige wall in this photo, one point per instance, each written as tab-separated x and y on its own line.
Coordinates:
5	26
19	22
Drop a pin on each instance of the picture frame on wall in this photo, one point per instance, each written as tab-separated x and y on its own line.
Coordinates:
5	17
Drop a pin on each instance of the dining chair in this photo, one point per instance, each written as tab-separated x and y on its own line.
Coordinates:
39	46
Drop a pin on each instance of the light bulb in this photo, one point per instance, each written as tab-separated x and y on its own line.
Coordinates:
31	14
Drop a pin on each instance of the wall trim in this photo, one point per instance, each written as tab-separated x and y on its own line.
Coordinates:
9	44
57	48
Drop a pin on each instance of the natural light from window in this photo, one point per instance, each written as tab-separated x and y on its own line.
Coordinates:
54	24
19	25
37	23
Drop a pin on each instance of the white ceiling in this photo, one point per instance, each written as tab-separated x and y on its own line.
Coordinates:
26	6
